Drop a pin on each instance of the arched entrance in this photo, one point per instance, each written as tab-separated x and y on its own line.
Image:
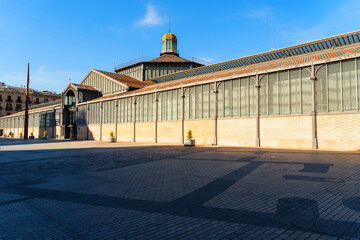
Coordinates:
70	114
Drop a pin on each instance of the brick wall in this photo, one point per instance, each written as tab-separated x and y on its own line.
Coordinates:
125	132
286	132
237	132
169	132
202	131
339	131
145	132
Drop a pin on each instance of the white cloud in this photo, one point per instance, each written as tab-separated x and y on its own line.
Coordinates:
41	78
151	17
260	14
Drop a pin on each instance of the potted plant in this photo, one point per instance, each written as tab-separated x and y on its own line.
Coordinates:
112	137
44	135
31	136
11	134
189	141
21	135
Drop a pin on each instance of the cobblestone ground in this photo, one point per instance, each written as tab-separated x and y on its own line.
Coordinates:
93	190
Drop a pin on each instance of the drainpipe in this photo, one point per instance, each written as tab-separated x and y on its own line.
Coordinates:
257	86
156	116
182	114
101	113
313	111
116	117
215	112
87	121
134	126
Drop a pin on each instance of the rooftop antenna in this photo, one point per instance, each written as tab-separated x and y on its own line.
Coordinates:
169	23
272	35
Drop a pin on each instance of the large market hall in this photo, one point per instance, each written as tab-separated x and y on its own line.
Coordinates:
304	96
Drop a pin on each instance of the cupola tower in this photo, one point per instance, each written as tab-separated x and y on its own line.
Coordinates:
169	44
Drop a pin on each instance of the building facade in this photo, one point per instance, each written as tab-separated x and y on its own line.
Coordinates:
12	99
300	97
144	69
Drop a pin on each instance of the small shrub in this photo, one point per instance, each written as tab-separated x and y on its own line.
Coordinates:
31	134
189	135
44	133
112	134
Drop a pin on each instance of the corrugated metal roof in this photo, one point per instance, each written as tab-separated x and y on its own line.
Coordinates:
125	79
85	87
239	71
169	58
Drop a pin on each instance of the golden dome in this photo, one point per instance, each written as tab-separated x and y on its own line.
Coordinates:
169	36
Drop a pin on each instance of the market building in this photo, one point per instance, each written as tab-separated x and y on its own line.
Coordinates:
301	97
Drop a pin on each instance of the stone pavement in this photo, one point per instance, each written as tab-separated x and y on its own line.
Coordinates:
97	190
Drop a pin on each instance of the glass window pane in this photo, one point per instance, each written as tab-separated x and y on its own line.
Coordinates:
235	97
284	92
334	87
187	100
263	95
179	105
163	106
295	91
212	99
192	102
198	101
221	100
321	92
306	91
244	96
349	85
205	106
273	94
174	104
252	95
227	98
169	105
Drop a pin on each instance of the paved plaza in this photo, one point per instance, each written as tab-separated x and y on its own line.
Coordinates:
97	190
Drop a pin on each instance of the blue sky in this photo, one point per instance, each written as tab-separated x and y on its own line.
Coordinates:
63	40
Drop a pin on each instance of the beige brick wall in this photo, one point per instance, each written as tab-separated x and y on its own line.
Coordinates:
106	129
286	132
339	132
145	132
35	131
82	133
169	132
58	131
202	130
94	131
125	132
237	132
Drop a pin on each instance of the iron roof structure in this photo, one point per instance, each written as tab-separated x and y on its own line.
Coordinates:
308	47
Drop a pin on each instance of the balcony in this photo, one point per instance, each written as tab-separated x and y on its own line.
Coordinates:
9	108
19	101
9	100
